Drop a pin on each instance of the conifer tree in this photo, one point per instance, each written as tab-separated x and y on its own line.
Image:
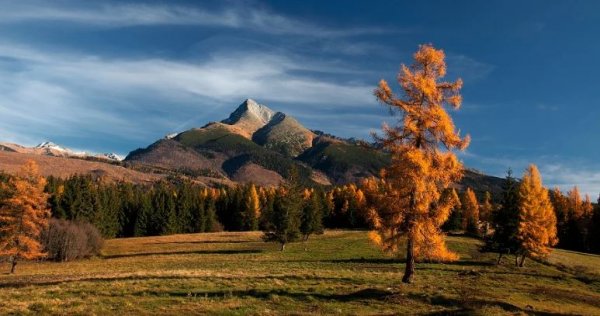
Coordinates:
143	221
594	241
505	220
537	221
312	216
578	215
211	222
470	208
423	162
23	216
283	226
561	207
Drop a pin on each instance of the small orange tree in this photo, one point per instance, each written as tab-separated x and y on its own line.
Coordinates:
23	216
407	201
537	221
470	212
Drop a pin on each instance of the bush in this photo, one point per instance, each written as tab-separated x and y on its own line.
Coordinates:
66	240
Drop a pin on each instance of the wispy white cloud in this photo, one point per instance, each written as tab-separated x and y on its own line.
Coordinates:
565	177
131	14
68	93
469	69
555	173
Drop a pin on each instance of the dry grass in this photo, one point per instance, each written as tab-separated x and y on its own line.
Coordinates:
64	167
237	274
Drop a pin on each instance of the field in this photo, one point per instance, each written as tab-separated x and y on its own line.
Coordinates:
341	273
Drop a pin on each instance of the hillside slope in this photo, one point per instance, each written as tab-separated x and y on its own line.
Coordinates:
11	162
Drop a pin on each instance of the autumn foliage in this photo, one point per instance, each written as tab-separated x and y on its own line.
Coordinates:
537	221
24	216
470	212
407	205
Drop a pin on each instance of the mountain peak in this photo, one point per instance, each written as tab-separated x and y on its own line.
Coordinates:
250	110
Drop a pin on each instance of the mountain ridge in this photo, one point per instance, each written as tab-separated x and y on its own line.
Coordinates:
254	143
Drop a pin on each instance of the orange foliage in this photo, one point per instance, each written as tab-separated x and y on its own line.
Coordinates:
486	208
537	226
253	203
470	211
24	215
407	200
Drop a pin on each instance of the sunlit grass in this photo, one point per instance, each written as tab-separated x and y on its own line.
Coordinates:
341	273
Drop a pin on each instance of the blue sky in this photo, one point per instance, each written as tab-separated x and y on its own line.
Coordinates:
117	75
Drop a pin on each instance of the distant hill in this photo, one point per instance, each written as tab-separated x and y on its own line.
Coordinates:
51	149
11	162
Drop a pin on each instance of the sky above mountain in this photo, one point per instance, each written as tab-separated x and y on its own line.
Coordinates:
110	76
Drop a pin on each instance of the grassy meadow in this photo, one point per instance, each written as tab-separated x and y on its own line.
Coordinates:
341	273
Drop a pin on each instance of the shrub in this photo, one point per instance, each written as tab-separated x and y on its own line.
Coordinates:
68	240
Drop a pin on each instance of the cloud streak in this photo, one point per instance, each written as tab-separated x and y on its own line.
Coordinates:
555	173
125	15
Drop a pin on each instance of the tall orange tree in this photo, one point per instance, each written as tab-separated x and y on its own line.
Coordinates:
407	202
23	216
537	221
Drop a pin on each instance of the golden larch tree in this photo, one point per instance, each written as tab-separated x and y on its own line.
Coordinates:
406	205
575	203
537	221
470	212
252	208
24	216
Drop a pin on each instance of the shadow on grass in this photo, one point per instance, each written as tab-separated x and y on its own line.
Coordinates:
171	253
365	294
472	306
28	282
402	261
205	242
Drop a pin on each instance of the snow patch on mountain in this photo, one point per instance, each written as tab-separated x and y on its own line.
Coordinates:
111	156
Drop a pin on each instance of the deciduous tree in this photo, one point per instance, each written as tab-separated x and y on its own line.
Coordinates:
470	212
23	216
485	212
406	202
537	221
454	222
251	212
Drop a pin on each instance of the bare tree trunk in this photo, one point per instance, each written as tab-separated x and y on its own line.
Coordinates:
282	246
522	261
410	261
13	265
499	258
516	260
